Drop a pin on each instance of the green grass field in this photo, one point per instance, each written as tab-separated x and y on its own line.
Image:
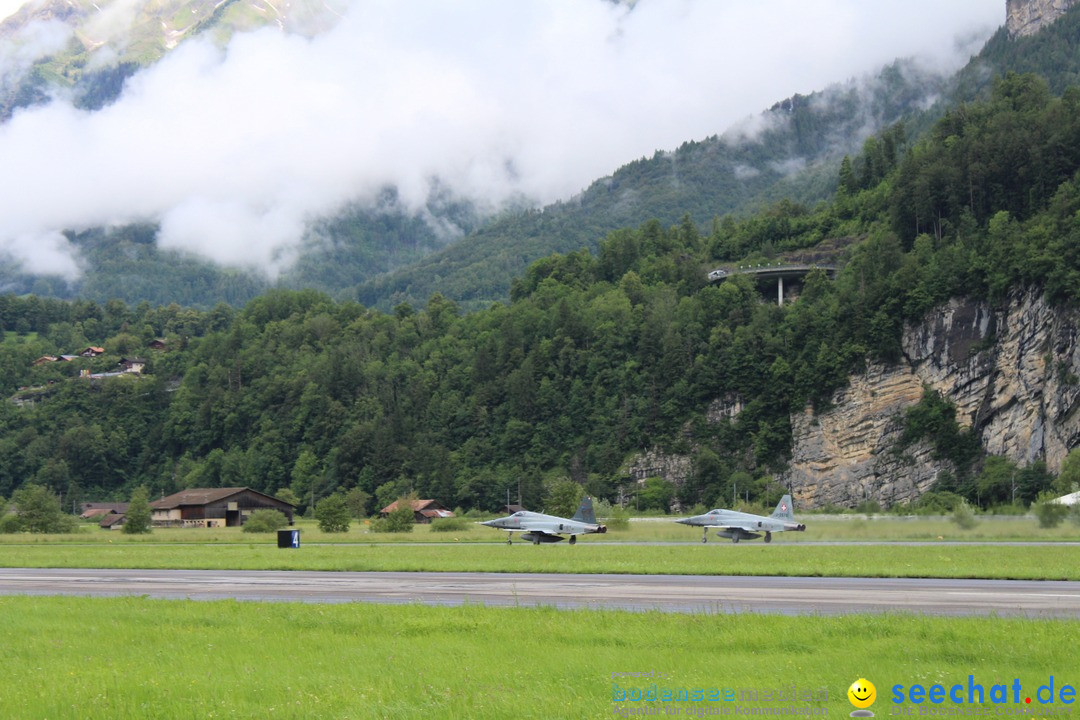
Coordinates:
139	658
479	548
884	528
1046	562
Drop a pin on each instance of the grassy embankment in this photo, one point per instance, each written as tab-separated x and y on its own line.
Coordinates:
1042	562
139	658
883	528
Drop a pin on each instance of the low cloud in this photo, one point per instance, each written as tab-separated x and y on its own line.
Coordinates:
236	150
20	50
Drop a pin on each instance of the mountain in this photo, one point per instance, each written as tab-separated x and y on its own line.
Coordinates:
796	157
948	332
378	255
87	48
389	255
791	152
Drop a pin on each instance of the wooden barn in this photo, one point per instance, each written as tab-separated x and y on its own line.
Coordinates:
90	510
424	511
214	507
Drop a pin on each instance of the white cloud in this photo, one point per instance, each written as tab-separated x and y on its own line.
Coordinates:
26	46
235	150
9	7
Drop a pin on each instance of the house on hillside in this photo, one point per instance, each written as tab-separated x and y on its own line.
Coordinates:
92	351
46	359
214	507
158	344
132	364
424	511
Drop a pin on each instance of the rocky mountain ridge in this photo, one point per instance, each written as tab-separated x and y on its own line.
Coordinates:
1013	373
1027	17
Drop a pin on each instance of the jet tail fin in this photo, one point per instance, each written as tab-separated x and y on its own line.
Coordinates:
585	512
783	509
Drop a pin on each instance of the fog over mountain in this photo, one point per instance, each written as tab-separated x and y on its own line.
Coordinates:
234	150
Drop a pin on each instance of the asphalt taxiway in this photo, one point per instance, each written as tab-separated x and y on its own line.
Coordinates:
672	593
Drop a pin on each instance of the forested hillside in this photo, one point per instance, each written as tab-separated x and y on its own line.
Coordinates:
388	255
793	160
596	356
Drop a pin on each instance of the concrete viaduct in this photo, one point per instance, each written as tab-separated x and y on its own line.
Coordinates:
769	271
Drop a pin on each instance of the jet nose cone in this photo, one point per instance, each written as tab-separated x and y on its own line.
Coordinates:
490	523
684	521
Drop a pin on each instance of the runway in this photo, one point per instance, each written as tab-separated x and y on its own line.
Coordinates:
671	593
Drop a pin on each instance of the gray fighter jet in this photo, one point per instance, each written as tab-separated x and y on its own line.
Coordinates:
746	526
540	528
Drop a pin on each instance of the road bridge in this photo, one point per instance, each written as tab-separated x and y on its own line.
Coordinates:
772	271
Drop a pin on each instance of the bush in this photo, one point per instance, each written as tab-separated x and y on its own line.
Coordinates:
10	524
454	524
868	507
264	521
333	514
1049	513
1009	509
936	502
138	516
963	516
357	500
618	520
656	494
398	520
39	511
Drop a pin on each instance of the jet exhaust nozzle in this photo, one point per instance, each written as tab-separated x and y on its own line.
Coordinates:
601	529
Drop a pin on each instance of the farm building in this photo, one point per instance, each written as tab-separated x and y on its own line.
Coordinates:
214	507
101	509
424	511
113	521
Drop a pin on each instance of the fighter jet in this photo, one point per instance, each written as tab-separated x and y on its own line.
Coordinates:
540	528
746	526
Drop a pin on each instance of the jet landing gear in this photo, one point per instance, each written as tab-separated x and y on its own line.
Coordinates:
573	539
705	535
768	537
735	538
509	538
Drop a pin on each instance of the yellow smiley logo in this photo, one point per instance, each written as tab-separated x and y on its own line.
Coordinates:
862	693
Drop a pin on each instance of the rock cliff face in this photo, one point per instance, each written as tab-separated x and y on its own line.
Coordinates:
1027	17
845	456
656	463
1012	372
